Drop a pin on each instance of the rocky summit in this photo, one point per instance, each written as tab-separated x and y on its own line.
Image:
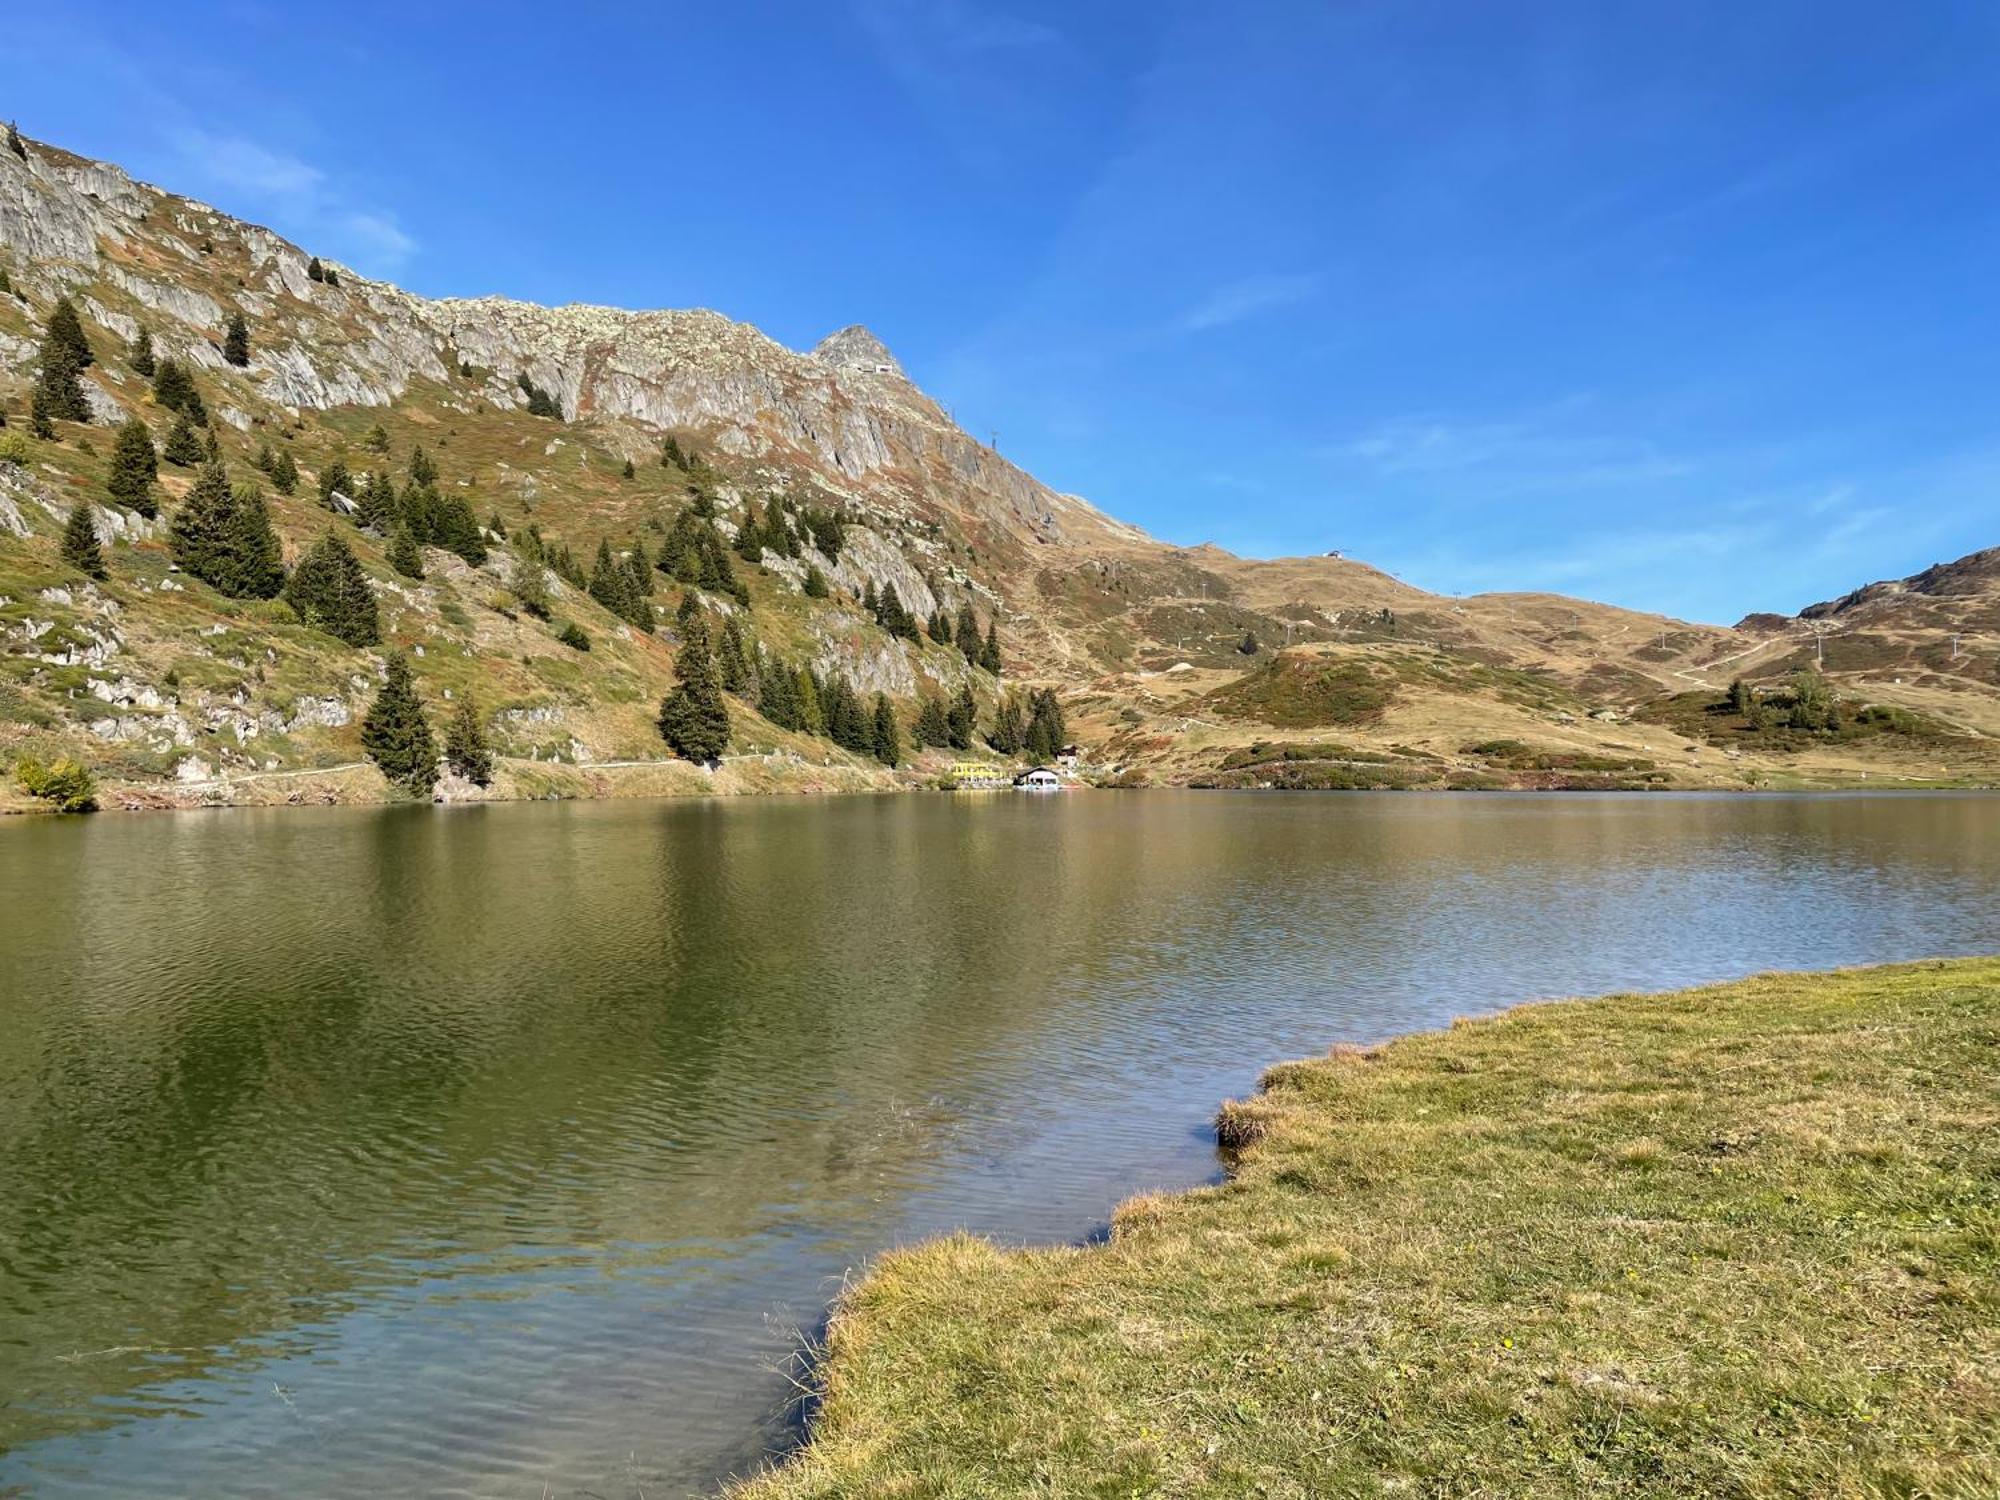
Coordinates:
535	508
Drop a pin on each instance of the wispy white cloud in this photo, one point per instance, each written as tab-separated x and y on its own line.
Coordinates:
1248	297
1509	457
252	177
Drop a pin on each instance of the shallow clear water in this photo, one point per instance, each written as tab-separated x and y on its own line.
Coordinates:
503	1151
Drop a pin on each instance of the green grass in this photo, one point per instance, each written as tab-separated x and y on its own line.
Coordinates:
1741	1241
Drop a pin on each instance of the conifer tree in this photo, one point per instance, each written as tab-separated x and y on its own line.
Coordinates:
423	471
812	708
694	719
405	556
223	536
236	341
211	445
285	473
266	460
134	467
396	734
183	445
961	719
378	439
314	270
1009	727
939	627
465	746
335	479
14	142
966	632
815	586
1248	645
931	726
732	661
778	696
379	509
332	277
328	591
531	585
989	654
848	724
670	454
888	738
174	389
572	636
628	471
872	601
142	360
1741	699
58	393
639	569
65	331
1046	731
39	421
79	542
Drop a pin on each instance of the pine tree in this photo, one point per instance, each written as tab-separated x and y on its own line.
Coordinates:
872	601
961	719
236	341
142	360
223	536
405	556
939	627
314	270
14	142
174	389
65	330
778	696
694	719
931	726
670	454
732	661
1009	727
848	724
611	586
285	473
79	542
639	568
531	585
628	471
1046	731
58	393
989	654
334	479
211	445
888	744
892	616
134	467
39	421
815	586
378	439
572	636
379	509
966	633
332	277
396	734
183	445
465	746
1741	699
329	592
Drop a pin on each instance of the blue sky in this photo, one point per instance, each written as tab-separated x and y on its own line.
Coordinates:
1684	306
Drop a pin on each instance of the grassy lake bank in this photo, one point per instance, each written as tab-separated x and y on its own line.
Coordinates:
1741	1240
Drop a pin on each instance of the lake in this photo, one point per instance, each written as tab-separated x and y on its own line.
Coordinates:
506	1151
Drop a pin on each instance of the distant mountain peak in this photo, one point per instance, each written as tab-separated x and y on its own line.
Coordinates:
855	348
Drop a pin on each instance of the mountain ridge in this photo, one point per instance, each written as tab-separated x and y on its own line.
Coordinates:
1162	652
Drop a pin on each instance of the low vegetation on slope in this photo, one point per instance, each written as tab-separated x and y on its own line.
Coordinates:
1739	1241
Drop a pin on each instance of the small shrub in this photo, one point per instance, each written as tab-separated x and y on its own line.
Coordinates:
572	636
65	784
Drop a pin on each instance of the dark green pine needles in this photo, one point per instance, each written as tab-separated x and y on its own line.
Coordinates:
58	394
330	592
134	467
694	720
465	744
222	535
79	542
396	734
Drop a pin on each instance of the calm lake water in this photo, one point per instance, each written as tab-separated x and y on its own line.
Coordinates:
503	1151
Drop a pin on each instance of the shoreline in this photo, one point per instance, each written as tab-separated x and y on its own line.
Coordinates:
1698	1172
359	784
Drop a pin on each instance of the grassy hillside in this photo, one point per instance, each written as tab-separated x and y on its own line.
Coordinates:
1738	1241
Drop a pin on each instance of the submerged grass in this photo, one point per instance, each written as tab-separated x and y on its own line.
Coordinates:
1735	1241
